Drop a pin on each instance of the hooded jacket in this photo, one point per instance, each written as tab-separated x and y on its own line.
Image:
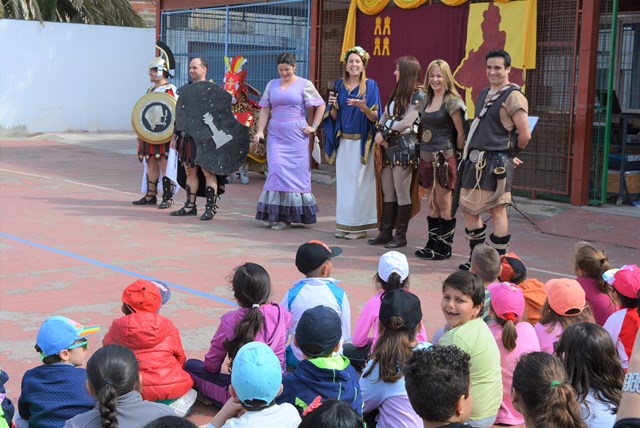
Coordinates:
156	343
329	378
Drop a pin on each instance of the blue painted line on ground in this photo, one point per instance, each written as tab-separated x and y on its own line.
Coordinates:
117	269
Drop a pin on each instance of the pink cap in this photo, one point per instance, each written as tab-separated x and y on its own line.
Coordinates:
507	300
625	280
566	297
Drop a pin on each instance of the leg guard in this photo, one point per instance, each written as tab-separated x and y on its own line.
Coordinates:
475	237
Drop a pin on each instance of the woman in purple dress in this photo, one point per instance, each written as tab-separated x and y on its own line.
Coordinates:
286	197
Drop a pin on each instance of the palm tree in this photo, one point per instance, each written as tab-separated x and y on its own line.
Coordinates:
100	12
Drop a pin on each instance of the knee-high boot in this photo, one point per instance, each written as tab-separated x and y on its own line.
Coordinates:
190	204
400	238
386	224
475	237
167	193
433	226
443	246
500	243
210	208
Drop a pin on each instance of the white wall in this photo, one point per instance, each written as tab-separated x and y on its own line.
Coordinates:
58	77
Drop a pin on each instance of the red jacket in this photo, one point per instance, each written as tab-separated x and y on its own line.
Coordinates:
156	342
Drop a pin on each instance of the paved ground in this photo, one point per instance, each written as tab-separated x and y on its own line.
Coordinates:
70	242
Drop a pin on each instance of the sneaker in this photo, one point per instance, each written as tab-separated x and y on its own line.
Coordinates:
182	406
267	223
465	266
356	235
280	225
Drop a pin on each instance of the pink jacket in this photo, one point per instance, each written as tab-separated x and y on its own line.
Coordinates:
273	333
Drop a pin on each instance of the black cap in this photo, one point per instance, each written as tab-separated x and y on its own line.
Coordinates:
400	303
320	327
313	254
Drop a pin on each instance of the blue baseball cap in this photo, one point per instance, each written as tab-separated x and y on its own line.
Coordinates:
59	333
256	373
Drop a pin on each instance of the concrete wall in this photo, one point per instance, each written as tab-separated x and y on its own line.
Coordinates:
57	77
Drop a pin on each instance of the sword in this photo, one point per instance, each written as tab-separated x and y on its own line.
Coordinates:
220	138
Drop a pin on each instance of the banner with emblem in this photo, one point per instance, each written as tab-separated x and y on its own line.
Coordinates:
460	35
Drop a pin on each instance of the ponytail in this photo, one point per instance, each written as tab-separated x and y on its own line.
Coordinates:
245	331
112	371
592	262
509	333
548	400
251	286
107	401
392	349
394	282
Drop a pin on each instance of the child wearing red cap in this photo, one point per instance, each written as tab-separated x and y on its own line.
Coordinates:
514	271
514	338
566	305
155	341
623	325
590	264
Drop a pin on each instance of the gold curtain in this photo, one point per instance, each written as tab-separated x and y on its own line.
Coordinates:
409	4
461	2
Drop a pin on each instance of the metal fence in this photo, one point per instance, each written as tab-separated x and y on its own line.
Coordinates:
257	31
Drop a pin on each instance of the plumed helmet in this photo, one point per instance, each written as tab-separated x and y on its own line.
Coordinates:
159	63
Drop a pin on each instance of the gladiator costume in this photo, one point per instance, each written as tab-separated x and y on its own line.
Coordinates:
397	175
146	150
487	167
186	150
438	164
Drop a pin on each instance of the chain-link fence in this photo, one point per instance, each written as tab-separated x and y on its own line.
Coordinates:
258	31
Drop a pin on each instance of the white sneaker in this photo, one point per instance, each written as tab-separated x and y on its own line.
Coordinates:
280	225
182	406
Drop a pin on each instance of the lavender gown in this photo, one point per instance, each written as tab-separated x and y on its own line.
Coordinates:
286	195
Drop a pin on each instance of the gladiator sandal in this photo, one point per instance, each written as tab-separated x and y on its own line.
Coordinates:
167	193
434	225
400	238
443	246
190	204
386	224
210	208
150	198
475	238
500	243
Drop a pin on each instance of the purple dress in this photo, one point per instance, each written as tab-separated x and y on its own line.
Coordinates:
286	195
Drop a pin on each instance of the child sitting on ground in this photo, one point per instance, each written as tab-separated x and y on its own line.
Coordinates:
331	414
438	386
565	305
323	372
393	274
543	394
56	390
514	271
386	404
462	299
256	380
594	371
6	406
113	378
514	338
314	260
590	264
155	341
623	325
485	262
257	319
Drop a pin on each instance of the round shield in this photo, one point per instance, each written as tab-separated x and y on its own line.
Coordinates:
153	117
204	113
426	135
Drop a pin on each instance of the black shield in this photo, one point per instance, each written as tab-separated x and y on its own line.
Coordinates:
203	111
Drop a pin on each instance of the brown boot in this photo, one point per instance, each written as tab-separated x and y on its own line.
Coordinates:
386	224
400	238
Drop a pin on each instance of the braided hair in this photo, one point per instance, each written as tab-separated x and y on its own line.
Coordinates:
112	371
